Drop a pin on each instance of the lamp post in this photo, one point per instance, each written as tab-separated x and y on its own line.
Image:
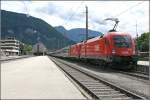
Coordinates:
86	29
86	23
136	38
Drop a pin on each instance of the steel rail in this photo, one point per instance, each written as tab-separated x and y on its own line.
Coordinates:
94	85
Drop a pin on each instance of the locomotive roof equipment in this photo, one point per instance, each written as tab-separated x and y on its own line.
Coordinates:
116	23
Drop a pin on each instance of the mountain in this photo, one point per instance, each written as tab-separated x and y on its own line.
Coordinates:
61	29
30	30
77	34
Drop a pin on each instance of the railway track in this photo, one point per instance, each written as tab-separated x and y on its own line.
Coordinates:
135	72
94	85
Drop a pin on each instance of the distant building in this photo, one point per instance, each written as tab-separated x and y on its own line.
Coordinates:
39	49
10	46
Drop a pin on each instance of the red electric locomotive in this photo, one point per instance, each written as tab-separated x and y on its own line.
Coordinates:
111	48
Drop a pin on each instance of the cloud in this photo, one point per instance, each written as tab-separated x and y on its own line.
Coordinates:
52	9
13	6
47	9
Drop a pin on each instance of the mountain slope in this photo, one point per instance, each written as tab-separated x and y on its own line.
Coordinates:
77	34
30	30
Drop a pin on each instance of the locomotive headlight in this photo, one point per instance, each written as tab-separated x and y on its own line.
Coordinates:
113	51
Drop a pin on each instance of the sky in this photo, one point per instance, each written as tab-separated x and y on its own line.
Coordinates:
71	14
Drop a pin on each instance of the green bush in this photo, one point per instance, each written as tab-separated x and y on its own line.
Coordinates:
143	42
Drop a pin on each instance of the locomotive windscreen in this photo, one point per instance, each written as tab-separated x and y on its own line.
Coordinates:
122	41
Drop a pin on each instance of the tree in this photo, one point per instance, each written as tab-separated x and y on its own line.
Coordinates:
26	49
143	42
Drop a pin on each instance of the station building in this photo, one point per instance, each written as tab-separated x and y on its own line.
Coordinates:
10	46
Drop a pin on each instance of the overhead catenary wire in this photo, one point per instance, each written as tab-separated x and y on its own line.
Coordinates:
26	9
69	10
126	10
73	14
119	14
31	22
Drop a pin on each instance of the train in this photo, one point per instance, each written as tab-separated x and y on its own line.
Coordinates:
112	48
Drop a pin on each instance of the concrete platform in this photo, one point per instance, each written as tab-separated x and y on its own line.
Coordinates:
35	78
